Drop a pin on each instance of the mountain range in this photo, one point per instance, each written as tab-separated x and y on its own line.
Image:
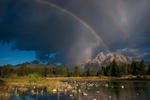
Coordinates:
105	59
100	60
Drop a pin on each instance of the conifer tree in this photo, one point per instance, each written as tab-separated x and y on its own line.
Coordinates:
148	71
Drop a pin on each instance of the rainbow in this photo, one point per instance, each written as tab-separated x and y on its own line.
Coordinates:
92	30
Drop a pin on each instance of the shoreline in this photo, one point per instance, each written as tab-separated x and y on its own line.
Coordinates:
102	78
53	84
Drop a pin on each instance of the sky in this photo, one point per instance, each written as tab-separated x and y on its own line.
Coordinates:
72	31
9	56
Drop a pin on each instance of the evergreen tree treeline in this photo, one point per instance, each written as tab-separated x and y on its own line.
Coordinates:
113	69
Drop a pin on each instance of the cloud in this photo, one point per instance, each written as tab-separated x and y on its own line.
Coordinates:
46	30
4	59
123	25
136	53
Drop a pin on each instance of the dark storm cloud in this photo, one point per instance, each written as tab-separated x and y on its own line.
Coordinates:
44	29
123	25
117	20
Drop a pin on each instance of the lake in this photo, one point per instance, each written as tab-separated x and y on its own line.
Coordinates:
88	90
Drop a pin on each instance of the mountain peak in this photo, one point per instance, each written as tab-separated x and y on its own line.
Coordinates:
105	59
99	58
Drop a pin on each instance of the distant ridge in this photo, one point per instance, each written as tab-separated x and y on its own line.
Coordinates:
100	60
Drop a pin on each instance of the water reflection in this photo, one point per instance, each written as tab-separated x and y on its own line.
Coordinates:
84	90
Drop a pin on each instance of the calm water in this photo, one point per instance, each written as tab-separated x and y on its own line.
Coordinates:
92	90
